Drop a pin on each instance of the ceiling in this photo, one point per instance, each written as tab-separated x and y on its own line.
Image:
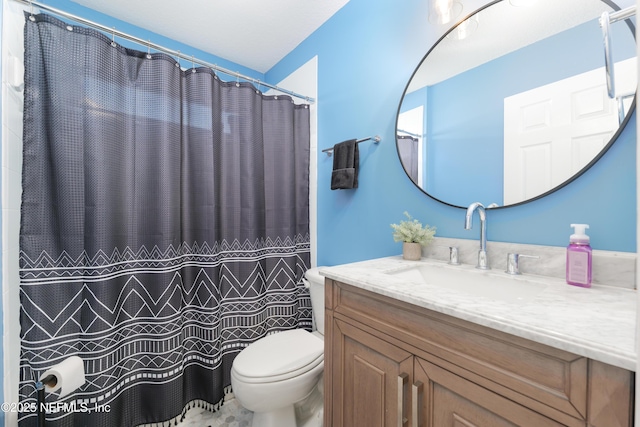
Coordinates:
503	28
259	33
253	33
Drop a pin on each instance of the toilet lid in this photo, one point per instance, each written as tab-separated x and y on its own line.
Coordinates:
279	354
314	274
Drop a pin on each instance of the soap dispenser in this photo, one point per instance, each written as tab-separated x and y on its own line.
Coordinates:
579	257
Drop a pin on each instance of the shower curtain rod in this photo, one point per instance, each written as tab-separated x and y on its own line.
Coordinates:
159	48
619	15
406	132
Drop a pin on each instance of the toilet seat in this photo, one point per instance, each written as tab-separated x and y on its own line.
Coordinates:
278	357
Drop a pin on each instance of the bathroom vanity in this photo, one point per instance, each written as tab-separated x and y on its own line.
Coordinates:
403	348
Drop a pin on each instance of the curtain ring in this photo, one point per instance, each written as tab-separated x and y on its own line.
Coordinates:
193	64
149	49
178	62
237	79
31	17
113	37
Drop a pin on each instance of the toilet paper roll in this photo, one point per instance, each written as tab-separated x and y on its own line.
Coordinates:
69	376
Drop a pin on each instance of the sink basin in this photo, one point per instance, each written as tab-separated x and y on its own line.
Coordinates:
488	284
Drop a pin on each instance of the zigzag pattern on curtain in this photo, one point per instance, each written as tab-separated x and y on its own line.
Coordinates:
158	350
101	266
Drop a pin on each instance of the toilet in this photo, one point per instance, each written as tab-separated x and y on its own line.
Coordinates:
272	374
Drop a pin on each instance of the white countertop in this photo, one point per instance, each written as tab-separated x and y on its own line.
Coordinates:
597	322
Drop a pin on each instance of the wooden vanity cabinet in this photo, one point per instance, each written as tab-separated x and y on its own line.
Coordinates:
390	363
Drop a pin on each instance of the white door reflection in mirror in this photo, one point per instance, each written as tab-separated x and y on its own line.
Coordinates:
553	131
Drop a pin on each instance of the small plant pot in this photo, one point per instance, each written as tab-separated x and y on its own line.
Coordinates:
411	251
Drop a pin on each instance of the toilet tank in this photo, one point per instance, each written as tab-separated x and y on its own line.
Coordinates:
316	289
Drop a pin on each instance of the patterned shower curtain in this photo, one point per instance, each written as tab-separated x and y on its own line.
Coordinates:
165	226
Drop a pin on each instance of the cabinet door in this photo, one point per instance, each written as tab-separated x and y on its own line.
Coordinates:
444	399
371	380
610	396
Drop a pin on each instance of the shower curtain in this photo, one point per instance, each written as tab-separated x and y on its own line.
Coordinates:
165	226
408	152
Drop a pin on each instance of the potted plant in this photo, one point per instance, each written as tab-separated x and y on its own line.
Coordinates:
413	235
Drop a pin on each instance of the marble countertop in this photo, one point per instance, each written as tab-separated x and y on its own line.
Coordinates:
597	322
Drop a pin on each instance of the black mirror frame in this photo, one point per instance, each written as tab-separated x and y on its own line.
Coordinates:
602	152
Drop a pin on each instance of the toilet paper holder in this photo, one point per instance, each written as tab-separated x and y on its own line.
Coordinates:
51	381
67	376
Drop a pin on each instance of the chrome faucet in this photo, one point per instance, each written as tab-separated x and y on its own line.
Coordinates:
468	223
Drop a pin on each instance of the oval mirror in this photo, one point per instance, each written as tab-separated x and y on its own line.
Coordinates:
513	103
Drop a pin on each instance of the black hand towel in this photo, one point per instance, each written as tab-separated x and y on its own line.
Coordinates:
346	159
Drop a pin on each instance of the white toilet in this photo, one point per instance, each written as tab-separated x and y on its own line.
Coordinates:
272	374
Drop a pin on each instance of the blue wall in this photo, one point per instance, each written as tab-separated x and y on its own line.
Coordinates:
366	54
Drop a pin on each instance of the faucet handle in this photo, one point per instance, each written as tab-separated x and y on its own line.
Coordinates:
453	254
513	262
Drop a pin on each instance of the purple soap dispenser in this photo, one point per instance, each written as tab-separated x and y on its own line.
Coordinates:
579	257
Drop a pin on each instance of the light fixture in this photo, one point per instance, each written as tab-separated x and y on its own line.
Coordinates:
443	11
465	28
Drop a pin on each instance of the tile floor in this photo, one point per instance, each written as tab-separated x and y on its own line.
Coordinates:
230	415
309	413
